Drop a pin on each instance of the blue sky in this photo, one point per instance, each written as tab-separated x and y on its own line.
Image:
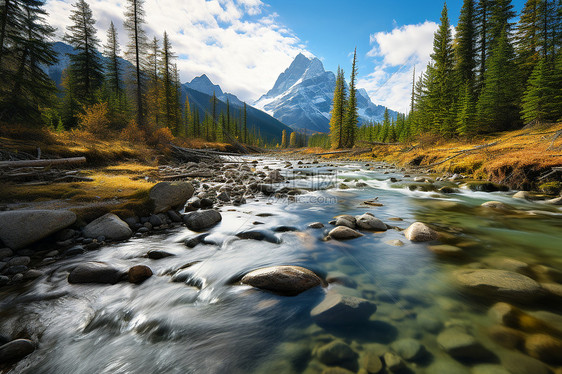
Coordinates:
244	45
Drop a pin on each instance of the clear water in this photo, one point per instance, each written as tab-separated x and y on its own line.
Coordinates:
162	326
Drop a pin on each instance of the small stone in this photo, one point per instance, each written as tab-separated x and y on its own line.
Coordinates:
344	233
20	260
15	350
506	337
337	309
460	345
139	273
73	251
495	205
393	362
446	250
202	220
16	269
420	232
371	362
489	369
284	280
346	220
17	278
337	353
4	280
6	252
523	195
110	226
158	254
95	272
518	363
395	243
155	220
409	349
316	225
545	348
224	197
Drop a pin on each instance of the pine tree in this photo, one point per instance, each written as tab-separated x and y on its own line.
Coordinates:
338	111
497	107
188	118
26	50
500	20
293	140
245	123
113	66
442	93
134	20
542	101
351	117
483	13
466	116
85	66
465	48
528	39
168	94
153	99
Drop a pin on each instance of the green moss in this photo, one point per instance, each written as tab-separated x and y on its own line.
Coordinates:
551	188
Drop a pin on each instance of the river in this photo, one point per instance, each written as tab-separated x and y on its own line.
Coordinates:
166	326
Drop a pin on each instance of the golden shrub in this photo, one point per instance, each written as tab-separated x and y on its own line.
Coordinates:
95	119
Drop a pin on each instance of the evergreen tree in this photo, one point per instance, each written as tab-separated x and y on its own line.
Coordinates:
351	117
466	116
136	48
338	111
85	66
465	48
528	39
188	118
497	107
26	49
483	13
293	140
442	93
542	101
168	94
245	123
500	20
154	84
113	67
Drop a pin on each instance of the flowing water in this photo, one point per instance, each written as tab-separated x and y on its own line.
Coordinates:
163	326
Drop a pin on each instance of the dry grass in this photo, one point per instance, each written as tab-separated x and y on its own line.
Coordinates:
518	158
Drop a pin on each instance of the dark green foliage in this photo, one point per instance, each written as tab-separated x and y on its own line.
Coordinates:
25	46
85	70
337	132
351	117
542	101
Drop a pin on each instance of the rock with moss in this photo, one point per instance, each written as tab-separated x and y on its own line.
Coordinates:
551	188
169	195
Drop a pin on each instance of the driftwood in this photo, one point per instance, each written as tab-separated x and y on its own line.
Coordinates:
44	163
553	171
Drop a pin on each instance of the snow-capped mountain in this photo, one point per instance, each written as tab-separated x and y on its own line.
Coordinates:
302	97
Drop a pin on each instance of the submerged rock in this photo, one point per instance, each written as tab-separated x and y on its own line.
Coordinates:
337	309
95	272
369	222
545	348
495	205
168	195
409	349
498	284
420	232
259	235
15	350
337	353
461	345
284	280
316	225
446	250
202	220
393	362
344	233
19	228
158	254
110	226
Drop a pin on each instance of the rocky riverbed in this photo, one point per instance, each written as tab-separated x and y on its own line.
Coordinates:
265	265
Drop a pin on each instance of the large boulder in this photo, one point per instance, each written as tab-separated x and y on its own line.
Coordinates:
168	195
19	228
96	272
202	220
110	226
284	280
15	350
369	222
498	284
420	232
337	309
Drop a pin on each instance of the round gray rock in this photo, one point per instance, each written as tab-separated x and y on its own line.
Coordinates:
202	220
498	284
167	195
409	349
19	228
284	280
461	345
110	226
344	233
337	309
420	232
369	222
95	272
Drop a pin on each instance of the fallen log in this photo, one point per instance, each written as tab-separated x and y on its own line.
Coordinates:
46	162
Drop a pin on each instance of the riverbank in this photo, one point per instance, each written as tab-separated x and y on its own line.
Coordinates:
515	158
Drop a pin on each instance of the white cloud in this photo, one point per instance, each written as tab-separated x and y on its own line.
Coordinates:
237	43
395	55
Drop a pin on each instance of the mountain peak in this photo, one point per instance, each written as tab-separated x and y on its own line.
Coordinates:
203	84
